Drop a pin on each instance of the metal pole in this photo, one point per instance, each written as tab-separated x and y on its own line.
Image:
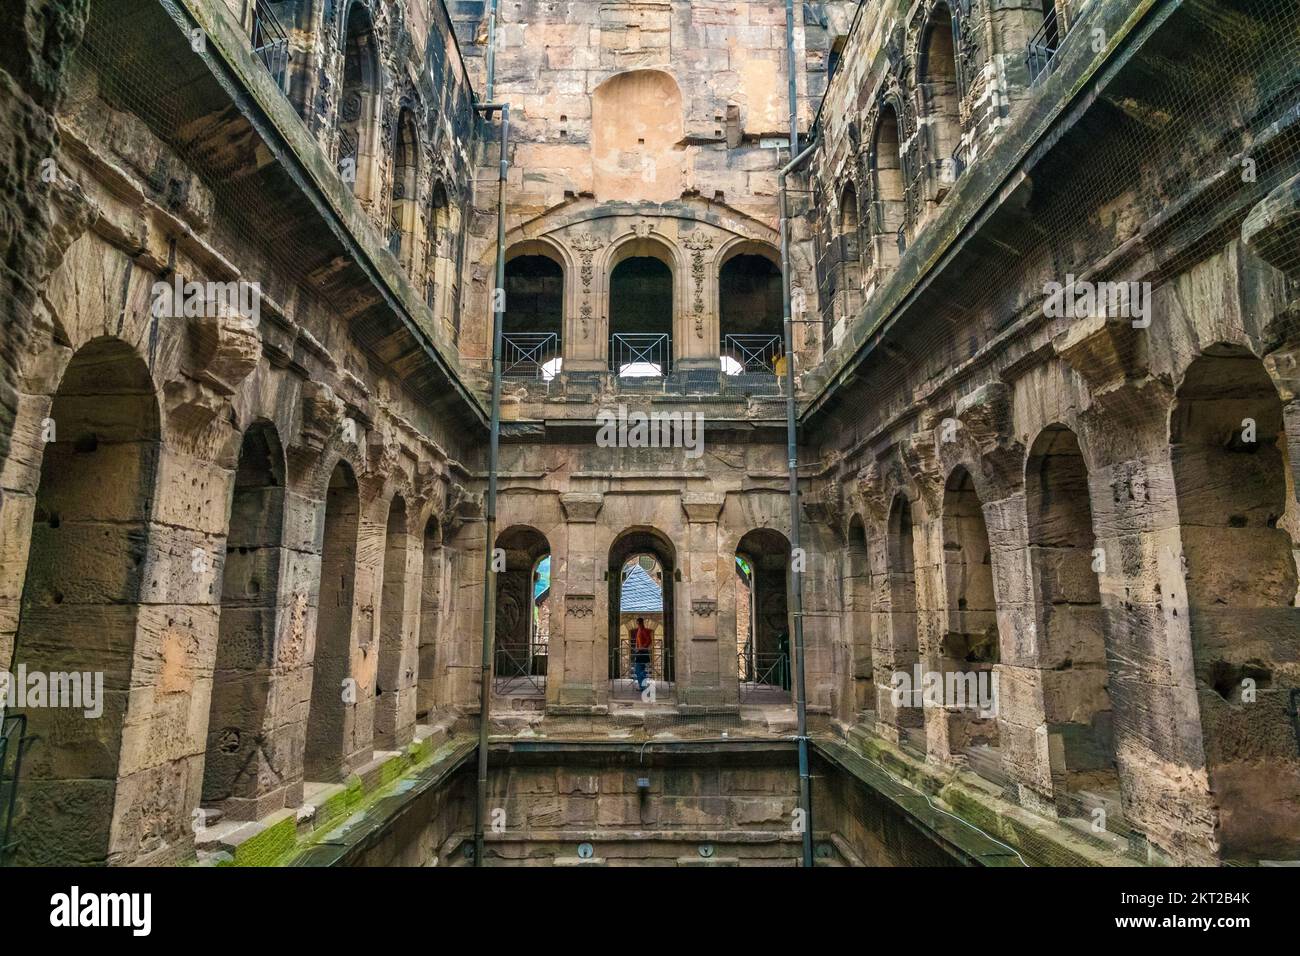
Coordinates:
792	447
490	508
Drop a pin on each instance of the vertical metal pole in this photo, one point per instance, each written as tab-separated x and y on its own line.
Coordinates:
792	451
491	53
490	508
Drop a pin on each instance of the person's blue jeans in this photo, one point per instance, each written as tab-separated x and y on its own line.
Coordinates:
641	662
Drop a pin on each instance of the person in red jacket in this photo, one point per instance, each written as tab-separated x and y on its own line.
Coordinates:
642	638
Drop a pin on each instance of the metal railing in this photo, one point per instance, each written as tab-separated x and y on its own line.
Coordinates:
751	354
1043	46
13	741
635	355
520	670
763	676
271	44
530	355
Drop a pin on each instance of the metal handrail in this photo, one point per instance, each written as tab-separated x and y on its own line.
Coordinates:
512	671
756	354
1043	46
640	354
529	354
756	671
271	43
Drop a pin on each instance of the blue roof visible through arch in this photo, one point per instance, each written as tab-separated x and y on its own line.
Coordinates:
641	593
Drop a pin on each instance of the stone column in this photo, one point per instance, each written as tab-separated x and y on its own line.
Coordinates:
706	671
579	646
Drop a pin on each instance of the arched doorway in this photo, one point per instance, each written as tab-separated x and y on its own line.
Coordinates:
763	654
642	572
750	316
641	318
395	670
857	618
1238	523
80	604
404	213
888	185
533	325
332	718
358	105
903	646
522	639
939	85
237	767
969	649
1071	626
433	589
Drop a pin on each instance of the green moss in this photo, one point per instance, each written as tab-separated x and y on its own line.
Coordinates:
267	847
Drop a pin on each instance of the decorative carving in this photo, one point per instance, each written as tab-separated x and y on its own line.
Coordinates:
586	246
704	607
698	243
322	415
579	605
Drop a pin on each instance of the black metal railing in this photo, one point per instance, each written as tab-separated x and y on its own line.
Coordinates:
530	355
347	154
13	741
271	44
1043	46
634	355
751	354
520	670
762	676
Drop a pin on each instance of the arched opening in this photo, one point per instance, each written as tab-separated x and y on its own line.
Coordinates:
358	107
523	612
641	318
834	56
848	287
237	769
750	316
857	618
762	616
902	608
81	602
887	181
433	588
942	98
642	569
404	212
332	719
1071	628
969	649
437	228
1234	507
533	325
395	671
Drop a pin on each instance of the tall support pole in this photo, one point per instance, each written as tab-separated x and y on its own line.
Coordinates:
792	449
490	508
491	53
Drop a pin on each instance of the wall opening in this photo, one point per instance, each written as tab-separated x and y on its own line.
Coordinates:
638	131
857	619
404	213
1071	628
942	102
750	316
1234	506
81	599
394	673
888	206
331	721
641	575
523	598
763	662
358	107
238	764
641	318
969	647
533	325
433	588
902	606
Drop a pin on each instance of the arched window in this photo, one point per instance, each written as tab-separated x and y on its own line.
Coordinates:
641	317
642	572
438	249
750	317
358	106
888	188
395	702
533	326
404	211
763	639
522	640
942	102
857	616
